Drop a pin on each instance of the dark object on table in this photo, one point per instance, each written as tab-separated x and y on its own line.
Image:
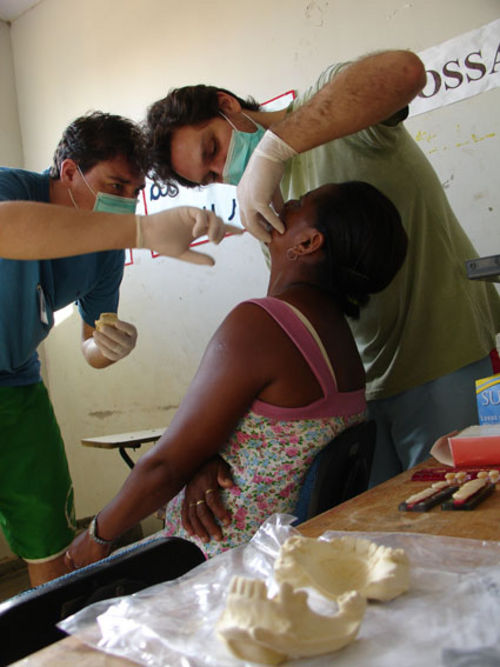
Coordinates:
28	620
471	502
428	503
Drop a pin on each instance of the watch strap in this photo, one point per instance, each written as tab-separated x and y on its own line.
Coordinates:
93	533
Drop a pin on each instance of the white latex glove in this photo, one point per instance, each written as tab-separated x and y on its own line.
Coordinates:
258	184
115	342
170	232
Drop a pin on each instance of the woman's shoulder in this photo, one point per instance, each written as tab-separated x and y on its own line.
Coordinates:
251	324
252	312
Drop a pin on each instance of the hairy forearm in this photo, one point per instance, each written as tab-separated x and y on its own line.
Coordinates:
365	93
30	230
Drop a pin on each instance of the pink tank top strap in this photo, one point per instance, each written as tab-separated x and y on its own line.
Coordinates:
303	334
299	333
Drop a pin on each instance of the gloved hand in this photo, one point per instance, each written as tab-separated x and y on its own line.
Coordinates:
115	342
170	232
258	184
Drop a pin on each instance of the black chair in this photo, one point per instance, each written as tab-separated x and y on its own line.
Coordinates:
339	472
28	620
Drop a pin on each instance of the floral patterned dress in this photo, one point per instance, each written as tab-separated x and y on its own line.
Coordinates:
272	447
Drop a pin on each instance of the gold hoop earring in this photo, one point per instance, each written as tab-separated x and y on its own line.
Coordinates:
292	254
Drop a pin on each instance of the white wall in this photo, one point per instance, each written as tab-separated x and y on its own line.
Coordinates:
121	55
11	153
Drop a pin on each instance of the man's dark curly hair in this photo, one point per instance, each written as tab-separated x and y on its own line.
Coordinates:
100	136
189	105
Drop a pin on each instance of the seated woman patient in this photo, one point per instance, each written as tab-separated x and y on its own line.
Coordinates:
280	378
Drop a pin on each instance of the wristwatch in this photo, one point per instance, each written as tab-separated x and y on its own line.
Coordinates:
93	533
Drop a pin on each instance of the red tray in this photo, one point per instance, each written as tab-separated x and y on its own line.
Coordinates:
435	474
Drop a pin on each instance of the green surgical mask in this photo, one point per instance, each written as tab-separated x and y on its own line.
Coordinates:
106	203
114	204
240	149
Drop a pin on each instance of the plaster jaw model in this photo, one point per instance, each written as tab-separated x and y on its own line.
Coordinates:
270	630
343	564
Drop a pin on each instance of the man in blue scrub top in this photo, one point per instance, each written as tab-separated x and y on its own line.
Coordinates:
98	166
98	153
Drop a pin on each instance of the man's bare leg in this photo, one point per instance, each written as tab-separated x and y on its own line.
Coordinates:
40	573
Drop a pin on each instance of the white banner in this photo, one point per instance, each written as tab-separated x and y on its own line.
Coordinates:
459	68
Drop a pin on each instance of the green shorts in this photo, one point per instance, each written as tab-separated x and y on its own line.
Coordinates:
36	494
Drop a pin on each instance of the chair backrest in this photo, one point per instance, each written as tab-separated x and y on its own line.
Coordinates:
339	472
28	620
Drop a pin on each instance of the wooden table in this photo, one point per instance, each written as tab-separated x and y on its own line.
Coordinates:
132	439
374	510
377	510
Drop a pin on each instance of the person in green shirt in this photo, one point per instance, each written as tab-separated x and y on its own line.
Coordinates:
429	335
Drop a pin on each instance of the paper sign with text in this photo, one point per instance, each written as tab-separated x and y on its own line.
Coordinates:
459	68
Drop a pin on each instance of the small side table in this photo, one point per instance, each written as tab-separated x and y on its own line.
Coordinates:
133	440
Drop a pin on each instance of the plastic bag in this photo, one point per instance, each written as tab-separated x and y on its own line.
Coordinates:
451	609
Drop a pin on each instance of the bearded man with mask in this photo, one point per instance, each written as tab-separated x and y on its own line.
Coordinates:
98	166
348	126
